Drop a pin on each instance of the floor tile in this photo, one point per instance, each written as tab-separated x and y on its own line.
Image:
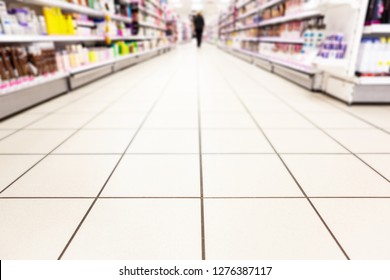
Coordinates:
140	229
4	133
303	141
65	176
165	141
362	226
336	175
336	120
363	140
282	229
166	176
19	121
83	107
97	142
38	228
62	121
48	107
33	141
227	120
174	107
377	116
12	166
133	107
179	119
117	121
313	106
221	106
381	163
282	120
234	141
246	176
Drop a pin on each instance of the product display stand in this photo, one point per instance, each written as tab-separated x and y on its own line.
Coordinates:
336	75
340	78
27	94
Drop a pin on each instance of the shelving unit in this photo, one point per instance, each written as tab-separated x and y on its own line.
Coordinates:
230	29
17	98
44	88
336	77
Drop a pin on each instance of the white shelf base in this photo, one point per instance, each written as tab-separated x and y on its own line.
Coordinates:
377	29
303	75
373	81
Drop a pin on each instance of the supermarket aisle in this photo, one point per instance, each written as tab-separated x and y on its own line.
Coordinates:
193	155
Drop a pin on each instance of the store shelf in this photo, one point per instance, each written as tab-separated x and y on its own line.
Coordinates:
307	69
278	20
48	38
287	18
121	18
155	4
93	66
85	23
150	25
261	8
75	9
246	39
133	38
377	29
226	24
65	38
65	6
244	3
226	17
283	62
36	82
270	40
30	94
151	13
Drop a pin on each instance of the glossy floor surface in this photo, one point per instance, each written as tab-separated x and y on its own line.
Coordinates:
195	154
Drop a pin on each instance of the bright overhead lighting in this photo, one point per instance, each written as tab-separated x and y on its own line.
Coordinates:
197	6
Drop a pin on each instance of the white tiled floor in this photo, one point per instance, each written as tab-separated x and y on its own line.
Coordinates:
191	155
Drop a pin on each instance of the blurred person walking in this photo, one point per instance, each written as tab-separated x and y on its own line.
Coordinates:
199	26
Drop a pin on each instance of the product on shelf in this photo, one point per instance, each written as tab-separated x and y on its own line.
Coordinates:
21	64
57	23
378	12
374	57
334	47
20	21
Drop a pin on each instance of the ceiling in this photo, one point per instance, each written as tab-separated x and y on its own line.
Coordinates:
209	8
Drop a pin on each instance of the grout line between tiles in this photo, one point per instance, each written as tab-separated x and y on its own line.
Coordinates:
115	167
202	211
287	168
161	154
193	197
